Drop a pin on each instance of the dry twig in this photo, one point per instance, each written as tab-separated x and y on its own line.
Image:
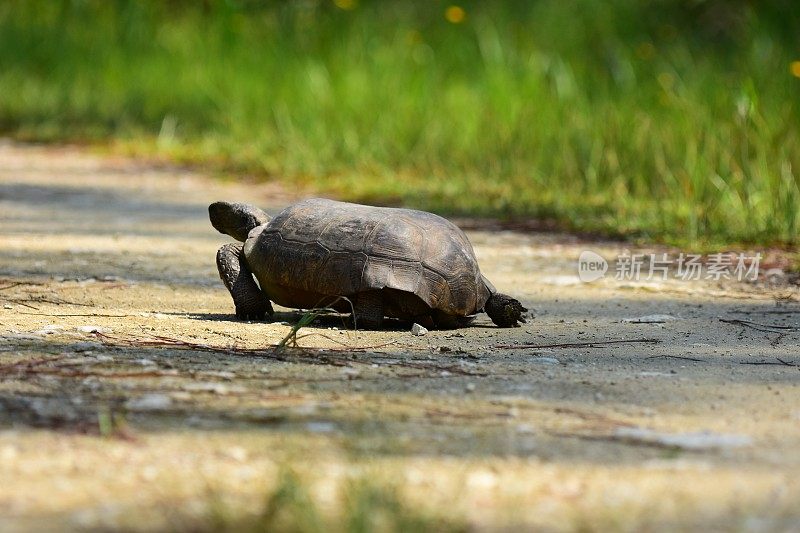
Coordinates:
766	328
590	344
682	357
778	362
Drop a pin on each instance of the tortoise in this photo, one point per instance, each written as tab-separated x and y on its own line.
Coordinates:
387	262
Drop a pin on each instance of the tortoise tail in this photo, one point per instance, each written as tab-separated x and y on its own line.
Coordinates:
504	310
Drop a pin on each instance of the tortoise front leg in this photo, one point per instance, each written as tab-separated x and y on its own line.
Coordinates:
368	310
250	302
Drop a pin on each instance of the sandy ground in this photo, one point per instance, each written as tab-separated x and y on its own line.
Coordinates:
129	394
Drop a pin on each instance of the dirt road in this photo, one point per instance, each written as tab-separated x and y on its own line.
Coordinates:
130	397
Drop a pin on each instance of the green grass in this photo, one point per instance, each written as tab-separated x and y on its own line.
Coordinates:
362	507
669	120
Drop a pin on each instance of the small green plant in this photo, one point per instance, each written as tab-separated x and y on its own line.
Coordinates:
111	423
379	508
363	507
306	320
290	508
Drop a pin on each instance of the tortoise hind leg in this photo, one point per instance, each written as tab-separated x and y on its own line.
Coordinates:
368	310
250	302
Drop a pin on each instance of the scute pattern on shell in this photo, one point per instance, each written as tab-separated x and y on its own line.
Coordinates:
336	248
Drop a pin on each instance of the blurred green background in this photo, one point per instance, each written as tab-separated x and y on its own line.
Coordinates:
655	119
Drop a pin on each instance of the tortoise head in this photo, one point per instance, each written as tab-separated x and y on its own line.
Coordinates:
236	220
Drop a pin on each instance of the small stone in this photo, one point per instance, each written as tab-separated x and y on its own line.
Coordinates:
7	306
418	330
143	362
545	360
470	387
92	329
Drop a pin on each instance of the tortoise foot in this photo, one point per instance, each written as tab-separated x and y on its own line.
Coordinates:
254	312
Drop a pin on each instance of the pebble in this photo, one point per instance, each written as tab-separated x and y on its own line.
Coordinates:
418	330
545	360
92	329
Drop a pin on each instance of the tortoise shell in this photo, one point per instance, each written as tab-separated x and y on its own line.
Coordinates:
322	248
